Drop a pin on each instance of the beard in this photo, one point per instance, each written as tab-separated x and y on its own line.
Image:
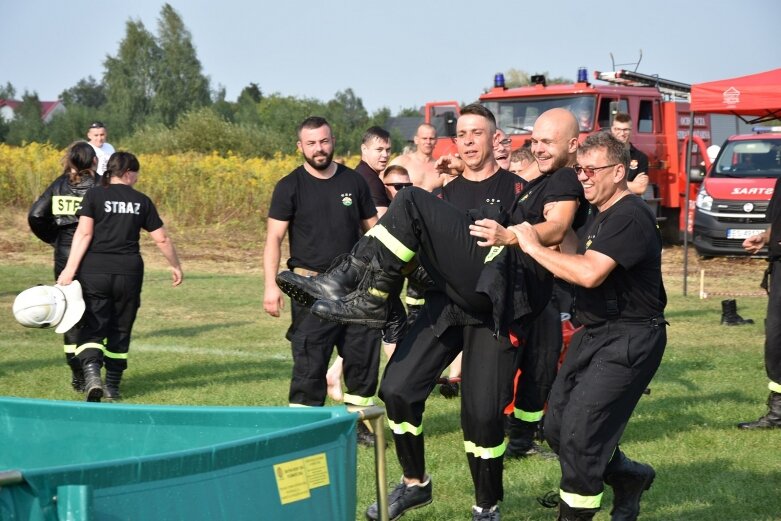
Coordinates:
325	161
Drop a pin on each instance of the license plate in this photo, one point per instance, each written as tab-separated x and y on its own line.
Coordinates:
741	234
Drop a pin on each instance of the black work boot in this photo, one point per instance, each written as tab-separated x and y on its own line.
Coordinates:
340	280
567	513
629	479
368	305
771	420
92	384
77	375
111	389
521	434
729	314
396	326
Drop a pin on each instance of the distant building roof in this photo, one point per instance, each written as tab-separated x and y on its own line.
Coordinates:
404	125
48	108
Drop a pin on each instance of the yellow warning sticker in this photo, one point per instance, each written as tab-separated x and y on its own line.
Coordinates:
291	481
316	470
297	477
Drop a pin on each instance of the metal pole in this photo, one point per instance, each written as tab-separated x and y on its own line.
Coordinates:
687	166
376	414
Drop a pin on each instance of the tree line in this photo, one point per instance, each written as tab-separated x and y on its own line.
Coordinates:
154	98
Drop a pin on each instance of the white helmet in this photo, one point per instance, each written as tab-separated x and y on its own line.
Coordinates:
50	306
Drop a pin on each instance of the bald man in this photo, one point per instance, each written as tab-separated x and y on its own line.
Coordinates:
420	163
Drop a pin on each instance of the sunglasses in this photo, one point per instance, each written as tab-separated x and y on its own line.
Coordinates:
590	172
398	186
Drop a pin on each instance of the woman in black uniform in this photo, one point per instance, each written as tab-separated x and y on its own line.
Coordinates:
53	219
106	254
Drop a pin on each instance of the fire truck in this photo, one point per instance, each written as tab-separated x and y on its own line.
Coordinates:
661	123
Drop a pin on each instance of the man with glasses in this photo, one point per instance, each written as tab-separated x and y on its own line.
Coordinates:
502	149
637	175
420	163
487	292
620	298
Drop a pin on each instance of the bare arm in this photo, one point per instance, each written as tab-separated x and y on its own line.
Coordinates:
639	184
366	224
559	216
588	270
273	301
166	247
81	241
381	211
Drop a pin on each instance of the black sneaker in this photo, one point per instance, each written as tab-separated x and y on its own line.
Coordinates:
402	498
486	514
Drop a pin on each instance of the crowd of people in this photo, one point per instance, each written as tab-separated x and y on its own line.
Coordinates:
492	245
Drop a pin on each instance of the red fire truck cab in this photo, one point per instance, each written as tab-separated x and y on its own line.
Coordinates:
660	117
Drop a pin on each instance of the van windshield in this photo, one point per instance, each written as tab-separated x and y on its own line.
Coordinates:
749	158
517	116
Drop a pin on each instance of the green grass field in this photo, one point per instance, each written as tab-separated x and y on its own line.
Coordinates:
209	342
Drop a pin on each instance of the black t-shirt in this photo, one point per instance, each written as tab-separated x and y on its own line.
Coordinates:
627	233
774	218
638	163
119	212
324	215
561	185
376	186
499	190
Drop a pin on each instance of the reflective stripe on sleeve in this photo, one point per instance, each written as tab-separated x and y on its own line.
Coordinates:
414	301
776	388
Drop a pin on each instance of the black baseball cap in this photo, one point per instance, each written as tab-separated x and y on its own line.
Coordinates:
97	124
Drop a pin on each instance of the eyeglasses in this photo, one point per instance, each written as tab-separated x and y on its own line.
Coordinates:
506	141
398	186
591	172
622	130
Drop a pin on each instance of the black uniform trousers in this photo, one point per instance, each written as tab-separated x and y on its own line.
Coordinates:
606	370
313	341
418	223
487	370
112	302
538	361
773	328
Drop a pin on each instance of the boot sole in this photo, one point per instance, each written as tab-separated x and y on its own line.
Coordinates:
94	394
296	293
397	517
368	322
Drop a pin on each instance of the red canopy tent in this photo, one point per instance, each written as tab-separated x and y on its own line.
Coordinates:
754	98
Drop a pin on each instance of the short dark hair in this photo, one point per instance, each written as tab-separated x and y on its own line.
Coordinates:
375	133
313	122
476	109
395	169
622	117
615	150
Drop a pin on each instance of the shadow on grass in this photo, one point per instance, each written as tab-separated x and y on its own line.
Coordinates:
20	366
190	331
199	374
712	490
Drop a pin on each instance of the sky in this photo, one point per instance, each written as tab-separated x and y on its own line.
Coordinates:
396	54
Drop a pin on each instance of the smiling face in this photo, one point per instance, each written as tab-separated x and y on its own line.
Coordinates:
475	140
554	140
622	131
602	184
502	145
